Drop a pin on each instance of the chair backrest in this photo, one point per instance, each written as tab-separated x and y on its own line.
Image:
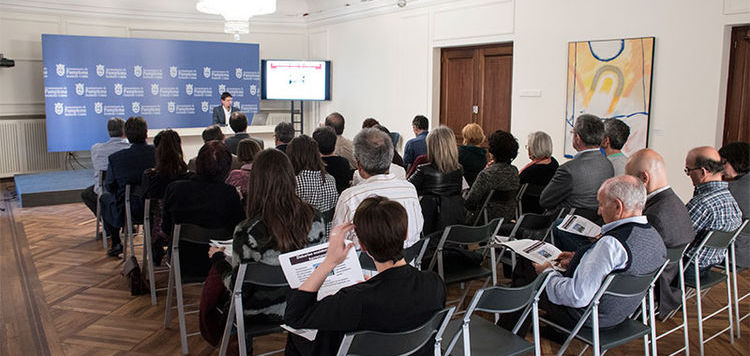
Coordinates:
628	285
264	275
467	235
500	299
201	235
400	343
414	253
533	222
482	212
675	254
718	239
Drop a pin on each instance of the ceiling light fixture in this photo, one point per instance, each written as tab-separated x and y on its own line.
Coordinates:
236	13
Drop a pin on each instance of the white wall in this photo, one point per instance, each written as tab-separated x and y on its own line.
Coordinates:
387	65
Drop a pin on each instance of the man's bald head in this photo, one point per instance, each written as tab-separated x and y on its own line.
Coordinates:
703	164
648	166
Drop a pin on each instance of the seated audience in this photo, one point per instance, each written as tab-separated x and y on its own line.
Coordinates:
336	166
203	200
500	176
616	133
344	146
99	158
214	133
737	164
628	245
538	172
439	182
373	150
314	185
416	146
473	158
576	182
170	166
398	298
278	221
396	163
238	123
126	167
238	178
667	214
397	160
369	122
712	206
283	133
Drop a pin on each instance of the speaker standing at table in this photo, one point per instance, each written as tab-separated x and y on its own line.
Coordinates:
225	110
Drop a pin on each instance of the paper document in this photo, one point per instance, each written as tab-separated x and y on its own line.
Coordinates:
579	225
535	250
226	244
309	334
299	265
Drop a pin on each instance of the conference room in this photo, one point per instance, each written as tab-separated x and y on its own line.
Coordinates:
380	177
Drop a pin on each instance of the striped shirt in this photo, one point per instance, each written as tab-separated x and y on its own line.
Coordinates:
384	185
712	208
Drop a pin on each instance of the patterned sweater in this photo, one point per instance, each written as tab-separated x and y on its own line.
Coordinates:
501	177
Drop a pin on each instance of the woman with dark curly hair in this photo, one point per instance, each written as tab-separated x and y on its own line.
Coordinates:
736	156
500	176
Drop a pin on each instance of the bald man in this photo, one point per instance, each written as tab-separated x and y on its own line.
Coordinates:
667	214
712	206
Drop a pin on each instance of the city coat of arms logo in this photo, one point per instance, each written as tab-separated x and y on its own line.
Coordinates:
173	71
98	107
59	108
136	106
222	88
118	88
137	71
155	89
189	89
207	72
60	69
79	88
170	106
238	73
204	106
100	70
253	89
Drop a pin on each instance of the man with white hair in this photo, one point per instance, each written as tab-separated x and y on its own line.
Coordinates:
667	214
628	244
373	151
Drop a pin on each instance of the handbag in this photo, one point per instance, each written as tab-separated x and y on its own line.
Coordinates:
132	271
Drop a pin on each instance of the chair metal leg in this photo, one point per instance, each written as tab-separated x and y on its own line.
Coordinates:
645	322
684	309
698	304
170	289
227	329
652	324
595	328
148	260
535	327
729	300
240	316
736	291
180	301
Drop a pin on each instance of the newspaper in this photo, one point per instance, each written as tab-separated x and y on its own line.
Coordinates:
299	265
579	225
537	251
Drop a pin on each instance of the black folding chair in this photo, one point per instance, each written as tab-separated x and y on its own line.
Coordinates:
148	252
519	197
414	253
674	256
250	274
462	237
193	234
533	226
130	224
393	344
480	336
698	284
617	285
99	220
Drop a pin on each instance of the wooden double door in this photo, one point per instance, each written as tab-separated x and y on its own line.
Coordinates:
737	116
476	87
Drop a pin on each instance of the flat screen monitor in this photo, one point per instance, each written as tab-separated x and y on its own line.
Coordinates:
295	80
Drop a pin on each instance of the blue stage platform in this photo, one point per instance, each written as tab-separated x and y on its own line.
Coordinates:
51	188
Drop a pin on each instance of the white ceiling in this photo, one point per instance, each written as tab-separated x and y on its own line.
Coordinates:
285	8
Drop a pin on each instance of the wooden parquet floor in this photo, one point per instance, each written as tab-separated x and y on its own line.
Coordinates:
61	295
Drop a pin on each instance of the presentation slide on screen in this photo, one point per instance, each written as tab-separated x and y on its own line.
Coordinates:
170	83
296	80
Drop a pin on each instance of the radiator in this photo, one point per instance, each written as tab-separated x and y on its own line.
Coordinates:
23	148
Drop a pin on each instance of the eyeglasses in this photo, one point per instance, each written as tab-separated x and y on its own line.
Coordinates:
688	170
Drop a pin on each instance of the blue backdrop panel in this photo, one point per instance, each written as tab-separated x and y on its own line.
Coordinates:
171	83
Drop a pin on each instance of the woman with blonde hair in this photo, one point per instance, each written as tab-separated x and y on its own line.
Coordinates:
472	157
439	182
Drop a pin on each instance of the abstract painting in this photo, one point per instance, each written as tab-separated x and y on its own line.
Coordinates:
611	79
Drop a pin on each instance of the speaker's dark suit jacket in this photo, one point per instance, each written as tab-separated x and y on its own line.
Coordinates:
576	183
668	215
125	167
219	117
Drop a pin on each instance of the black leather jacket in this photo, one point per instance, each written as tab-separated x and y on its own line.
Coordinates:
429	181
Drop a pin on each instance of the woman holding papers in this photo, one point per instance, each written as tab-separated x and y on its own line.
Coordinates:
277	221
398	298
